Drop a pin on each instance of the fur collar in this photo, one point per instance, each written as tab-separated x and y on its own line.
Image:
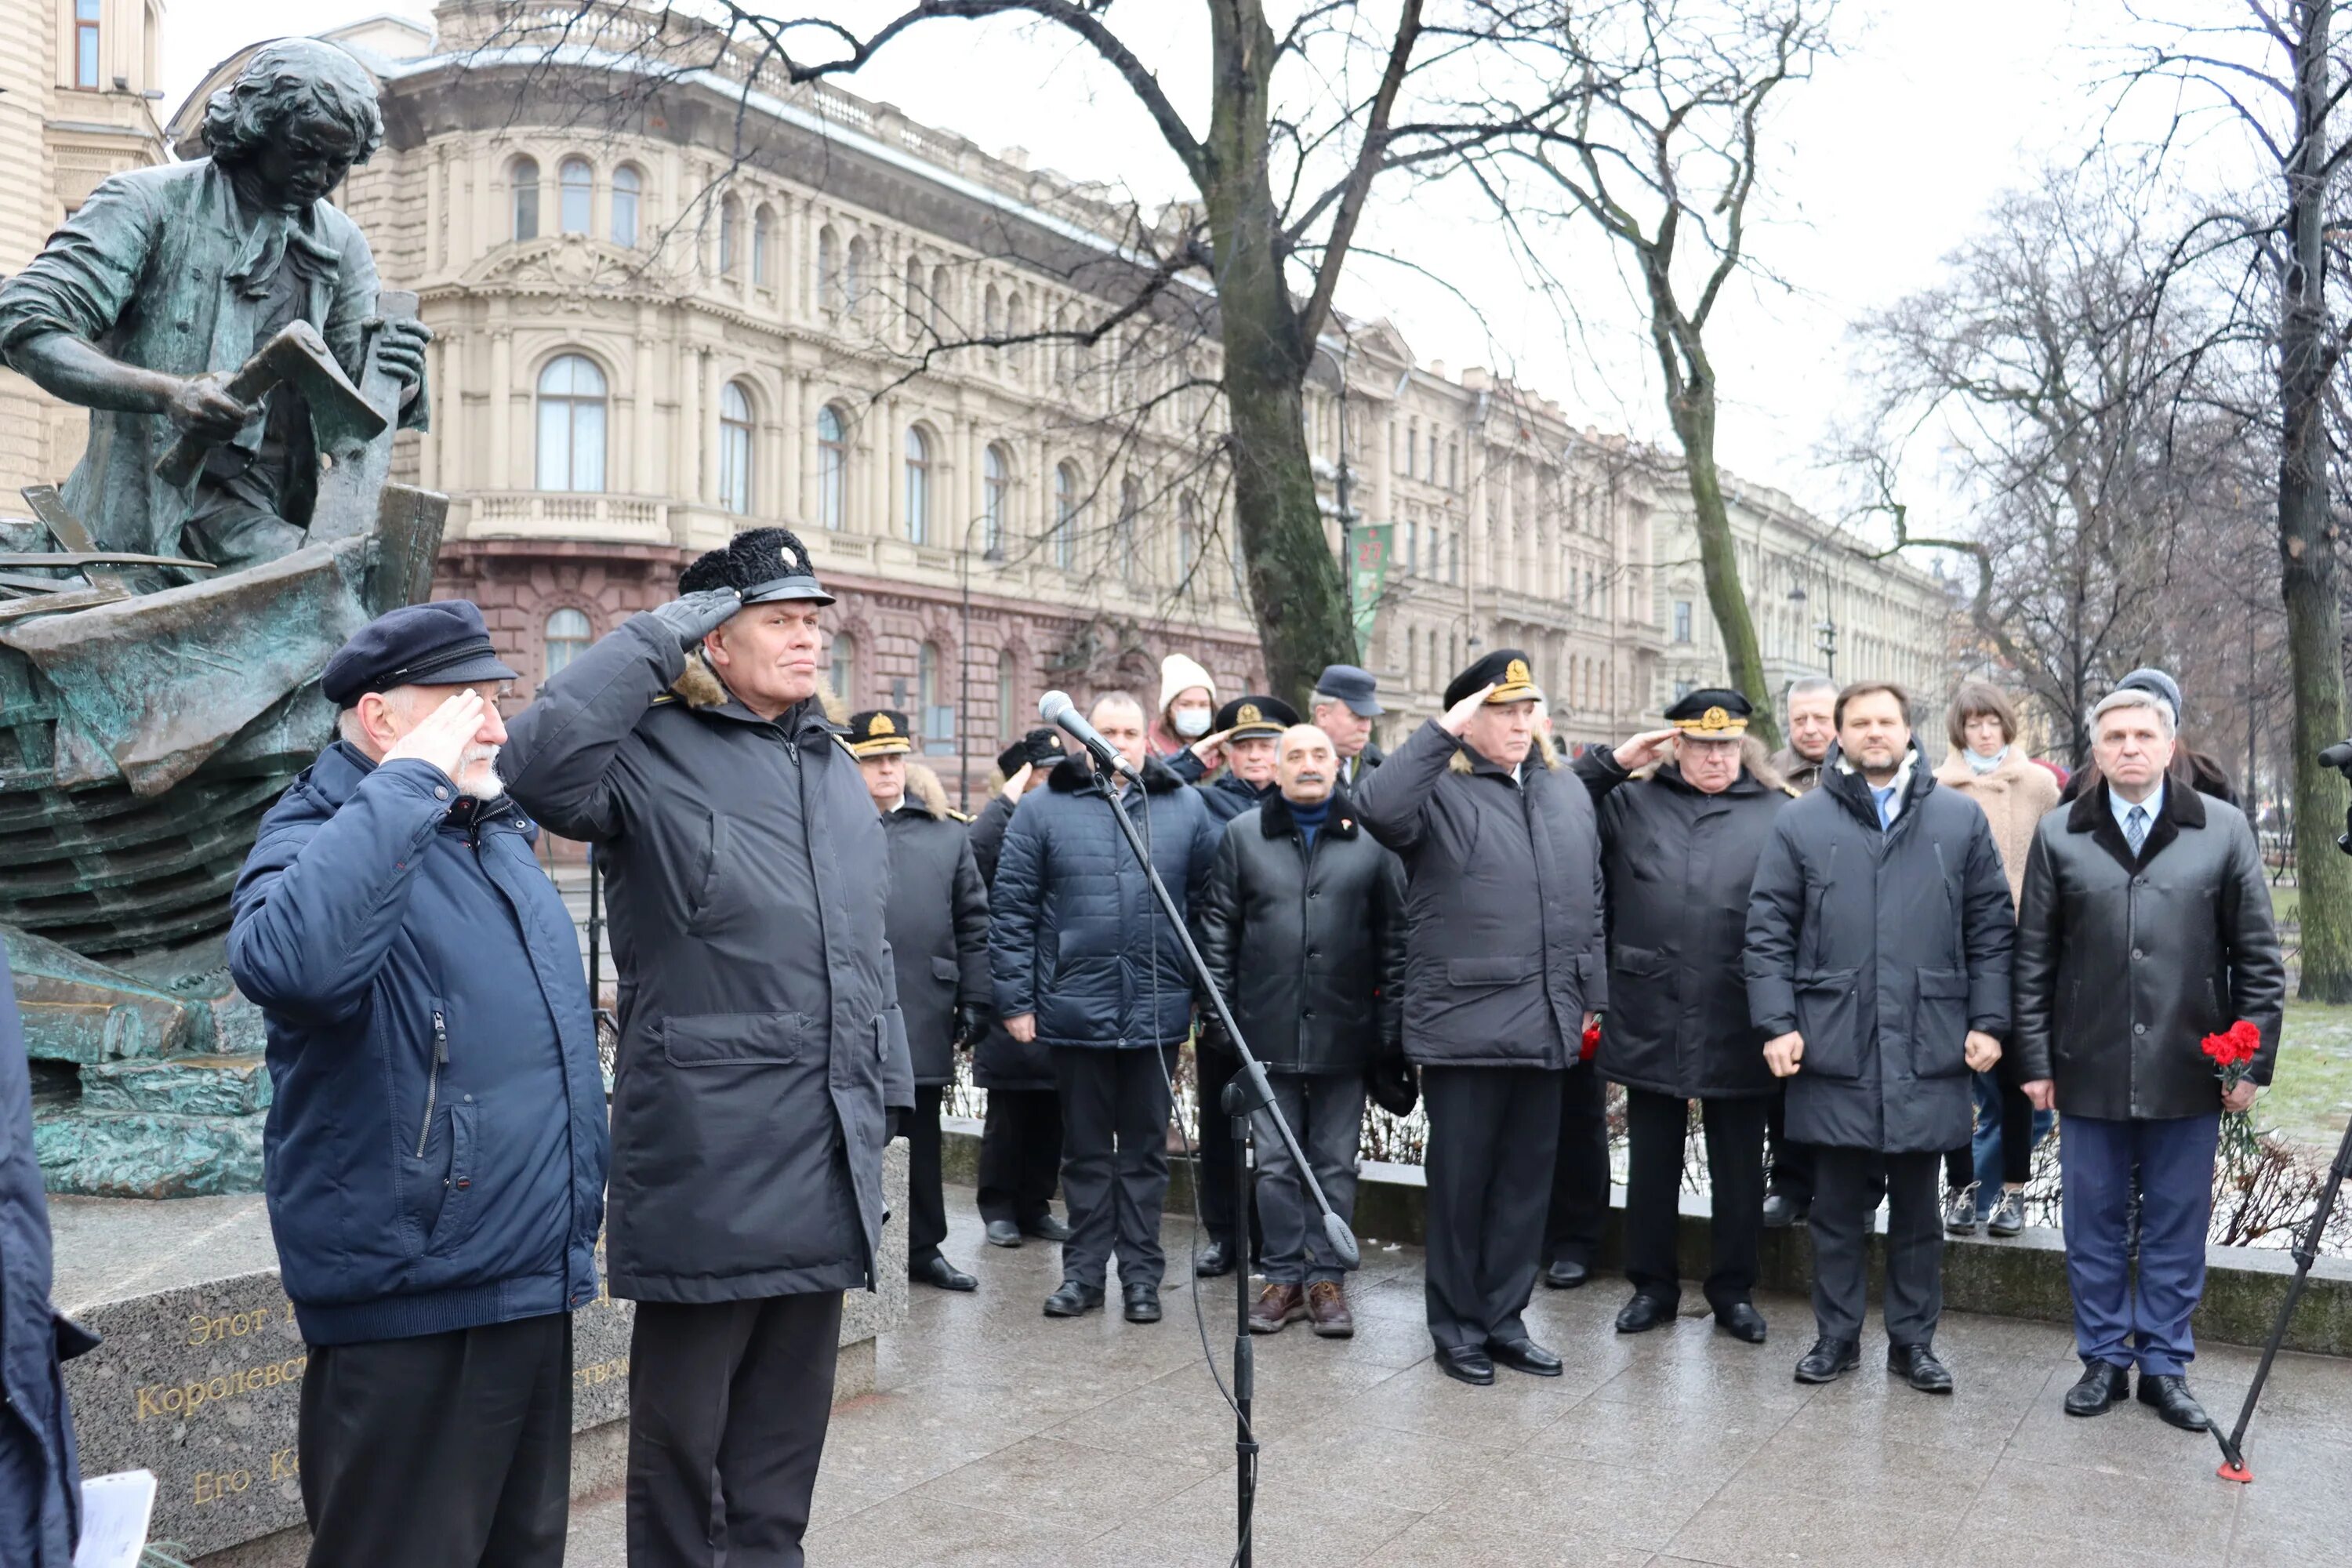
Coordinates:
1075	774
1465	760
927	794
1954	771
700	688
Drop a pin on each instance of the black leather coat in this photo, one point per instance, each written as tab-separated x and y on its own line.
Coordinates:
1000	1062
937	924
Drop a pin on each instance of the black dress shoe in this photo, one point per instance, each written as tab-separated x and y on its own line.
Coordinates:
1643	1313
2168	1391
1781	1211
940	1272
1073	1300
1829	1360
1004	1233
1142	1304
1917	1365
1216	1261
1742	1321
1567	1274
2099	1388
1467	1363
1524	1355
1048	1229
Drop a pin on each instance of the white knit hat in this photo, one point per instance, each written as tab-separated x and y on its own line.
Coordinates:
1178	672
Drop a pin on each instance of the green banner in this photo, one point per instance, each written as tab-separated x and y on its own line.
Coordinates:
1368	572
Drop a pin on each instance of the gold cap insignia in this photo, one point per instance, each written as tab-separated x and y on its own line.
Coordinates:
882	725
1248	714
1516	673
1715	720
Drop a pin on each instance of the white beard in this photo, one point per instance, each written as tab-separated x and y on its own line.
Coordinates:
478	773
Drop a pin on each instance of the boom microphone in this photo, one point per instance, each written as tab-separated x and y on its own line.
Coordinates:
1055	708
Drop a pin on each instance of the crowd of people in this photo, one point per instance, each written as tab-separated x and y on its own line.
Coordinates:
1870	979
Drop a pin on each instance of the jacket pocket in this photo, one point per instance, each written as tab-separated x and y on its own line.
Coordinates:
714	861
456	1222
946	969
1486	970
733	1039
1828	1016
1939	1024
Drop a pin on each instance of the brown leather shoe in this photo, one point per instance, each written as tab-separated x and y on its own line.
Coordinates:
1276	1305
1327	1309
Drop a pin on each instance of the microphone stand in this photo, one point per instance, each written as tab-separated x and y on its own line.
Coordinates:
1248	1093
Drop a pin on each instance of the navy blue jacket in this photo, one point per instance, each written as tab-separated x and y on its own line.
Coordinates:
1075	935
1227	797
41	1481
435	1149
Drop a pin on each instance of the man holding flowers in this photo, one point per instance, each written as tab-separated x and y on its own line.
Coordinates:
2148	991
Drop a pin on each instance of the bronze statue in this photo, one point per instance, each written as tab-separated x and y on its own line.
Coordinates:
168	279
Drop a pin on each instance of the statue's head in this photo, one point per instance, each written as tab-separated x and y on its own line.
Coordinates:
295	119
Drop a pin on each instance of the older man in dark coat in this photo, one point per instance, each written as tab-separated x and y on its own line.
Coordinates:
2146	927
1503	967
761	1048
937	924
1680	847
1877	963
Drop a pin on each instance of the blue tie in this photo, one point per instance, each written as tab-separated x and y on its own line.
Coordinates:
2136	827
1886	799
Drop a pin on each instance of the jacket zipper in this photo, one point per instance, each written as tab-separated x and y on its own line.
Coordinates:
433	1081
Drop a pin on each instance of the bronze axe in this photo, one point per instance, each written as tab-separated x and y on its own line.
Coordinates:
297	357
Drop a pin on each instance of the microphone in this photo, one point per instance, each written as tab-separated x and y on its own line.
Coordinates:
2337	756
1055	708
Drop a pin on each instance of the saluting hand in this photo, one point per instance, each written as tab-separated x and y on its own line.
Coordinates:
1644	749
1982	1050
696	615
1018	784
1783	1052
441	738
1211	750
1457	717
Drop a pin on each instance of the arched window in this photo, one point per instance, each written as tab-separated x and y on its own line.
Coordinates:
523	181
764	238
844	667
1130	505
731	231
627	184
566	636
919	485
853	281
577	192
828	270
734	449
995	500
1066	516
832	465
570	425
992	314
1008	706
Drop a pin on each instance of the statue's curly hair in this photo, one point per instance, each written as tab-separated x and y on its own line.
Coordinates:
284	77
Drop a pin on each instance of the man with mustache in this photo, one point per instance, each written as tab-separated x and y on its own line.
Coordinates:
435	1148
1303	929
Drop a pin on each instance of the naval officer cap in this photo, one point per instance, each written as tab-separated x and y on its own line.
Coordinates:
1254	717
1711	713
879	732
444	643
766	565
1506	669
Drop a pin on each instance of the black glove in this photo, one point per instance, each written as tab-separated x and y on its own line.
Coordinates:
1390	1080
1214	1039
696	614
894	1122
971	1023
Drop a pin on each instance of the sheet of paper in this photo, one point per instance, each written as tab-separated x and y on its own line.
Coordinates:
114	1512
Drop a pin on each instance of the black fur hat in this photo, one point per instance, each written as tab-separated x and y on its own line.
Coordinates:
765	565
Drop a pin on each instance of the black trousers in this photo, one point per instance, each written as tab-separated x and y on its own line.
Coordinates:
449	1450
1579	1209
1215	1167
1790	1164
1656	1127
1020	1156
1114	1106
728	1406
1493	1133
1848	1184
927	1202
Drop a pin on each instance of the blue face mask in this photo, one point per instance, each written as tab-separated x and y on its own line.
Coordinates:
1190	722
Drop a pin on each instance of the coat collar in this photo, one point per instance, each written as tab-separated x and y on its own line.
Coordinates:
700	688
2184	809
1075	775
1670	775
1853	789
1275	821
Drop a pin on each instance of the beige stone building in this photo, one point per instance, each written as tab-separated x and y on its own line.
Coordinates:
77	84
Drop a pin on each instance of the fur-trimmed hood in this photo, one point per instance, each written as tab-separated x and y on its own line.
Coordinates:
926	793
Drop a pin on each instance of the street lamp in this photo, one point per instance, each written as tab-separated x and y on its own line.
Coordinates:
1340	487
994	556
1824	632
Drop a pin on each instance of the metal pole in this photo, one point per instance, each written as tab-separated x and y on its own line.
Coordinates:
963	692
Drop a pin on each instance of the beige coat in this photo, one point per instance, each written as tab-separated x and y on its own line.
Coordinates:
2014	796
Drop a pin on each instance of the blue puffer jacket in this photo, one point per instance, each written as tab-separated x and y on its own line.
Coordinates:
436	1151
1075	935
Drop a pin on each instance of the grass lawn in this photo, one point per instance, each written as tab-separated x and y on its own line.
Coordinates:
2311	1092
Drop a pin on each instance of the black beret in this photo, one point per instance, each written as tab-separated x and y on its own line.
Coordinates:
1039	748
1506	669
764	564
1255	714
443	643
1712	711
879	732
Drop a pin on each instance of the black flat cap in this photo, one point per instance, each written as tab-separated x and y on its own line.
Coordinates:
1039	748
1351	685
766	565
879	732
444	643
1255	714
1712	712
1506	669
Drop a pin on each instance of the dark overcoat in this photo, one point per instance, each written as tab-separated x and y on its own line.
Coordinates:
937	923
1000	1062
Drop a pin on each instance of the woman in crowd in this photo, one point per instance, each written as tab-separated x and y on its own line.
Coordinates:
1188	700
1988	765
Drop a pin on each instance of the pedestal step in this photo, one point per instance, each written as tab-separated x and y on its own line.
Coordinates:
179	1085
126	1154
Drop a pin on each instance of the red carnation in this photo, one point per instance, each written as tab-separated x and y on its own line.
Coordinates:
1591	1039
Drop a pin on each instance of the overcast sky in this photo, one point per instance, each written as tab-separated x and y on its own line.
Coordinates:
1883	162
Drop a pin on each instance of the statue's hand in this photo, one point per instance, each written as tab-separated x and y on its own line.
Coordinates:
201	407
400	347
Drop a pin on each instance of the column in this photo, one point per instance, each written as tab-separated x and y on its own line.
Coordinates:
806	439
436	236
706	402
428	444
975	466
890	443
644	409
790	499
501	476
685	461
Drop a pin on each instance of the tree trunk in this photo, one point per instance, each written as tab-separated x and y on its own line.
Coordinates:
2307	544
1295	582
1693	413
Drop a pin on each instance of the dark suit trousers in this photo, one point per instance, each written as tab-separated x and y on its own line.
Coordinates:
1579	1210
927	1202
1216	1069
1656	1128
1114	1106
2119	1319
1790	1164
449	1450
1020	1156
1493	1133
728	1406
1847	1186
